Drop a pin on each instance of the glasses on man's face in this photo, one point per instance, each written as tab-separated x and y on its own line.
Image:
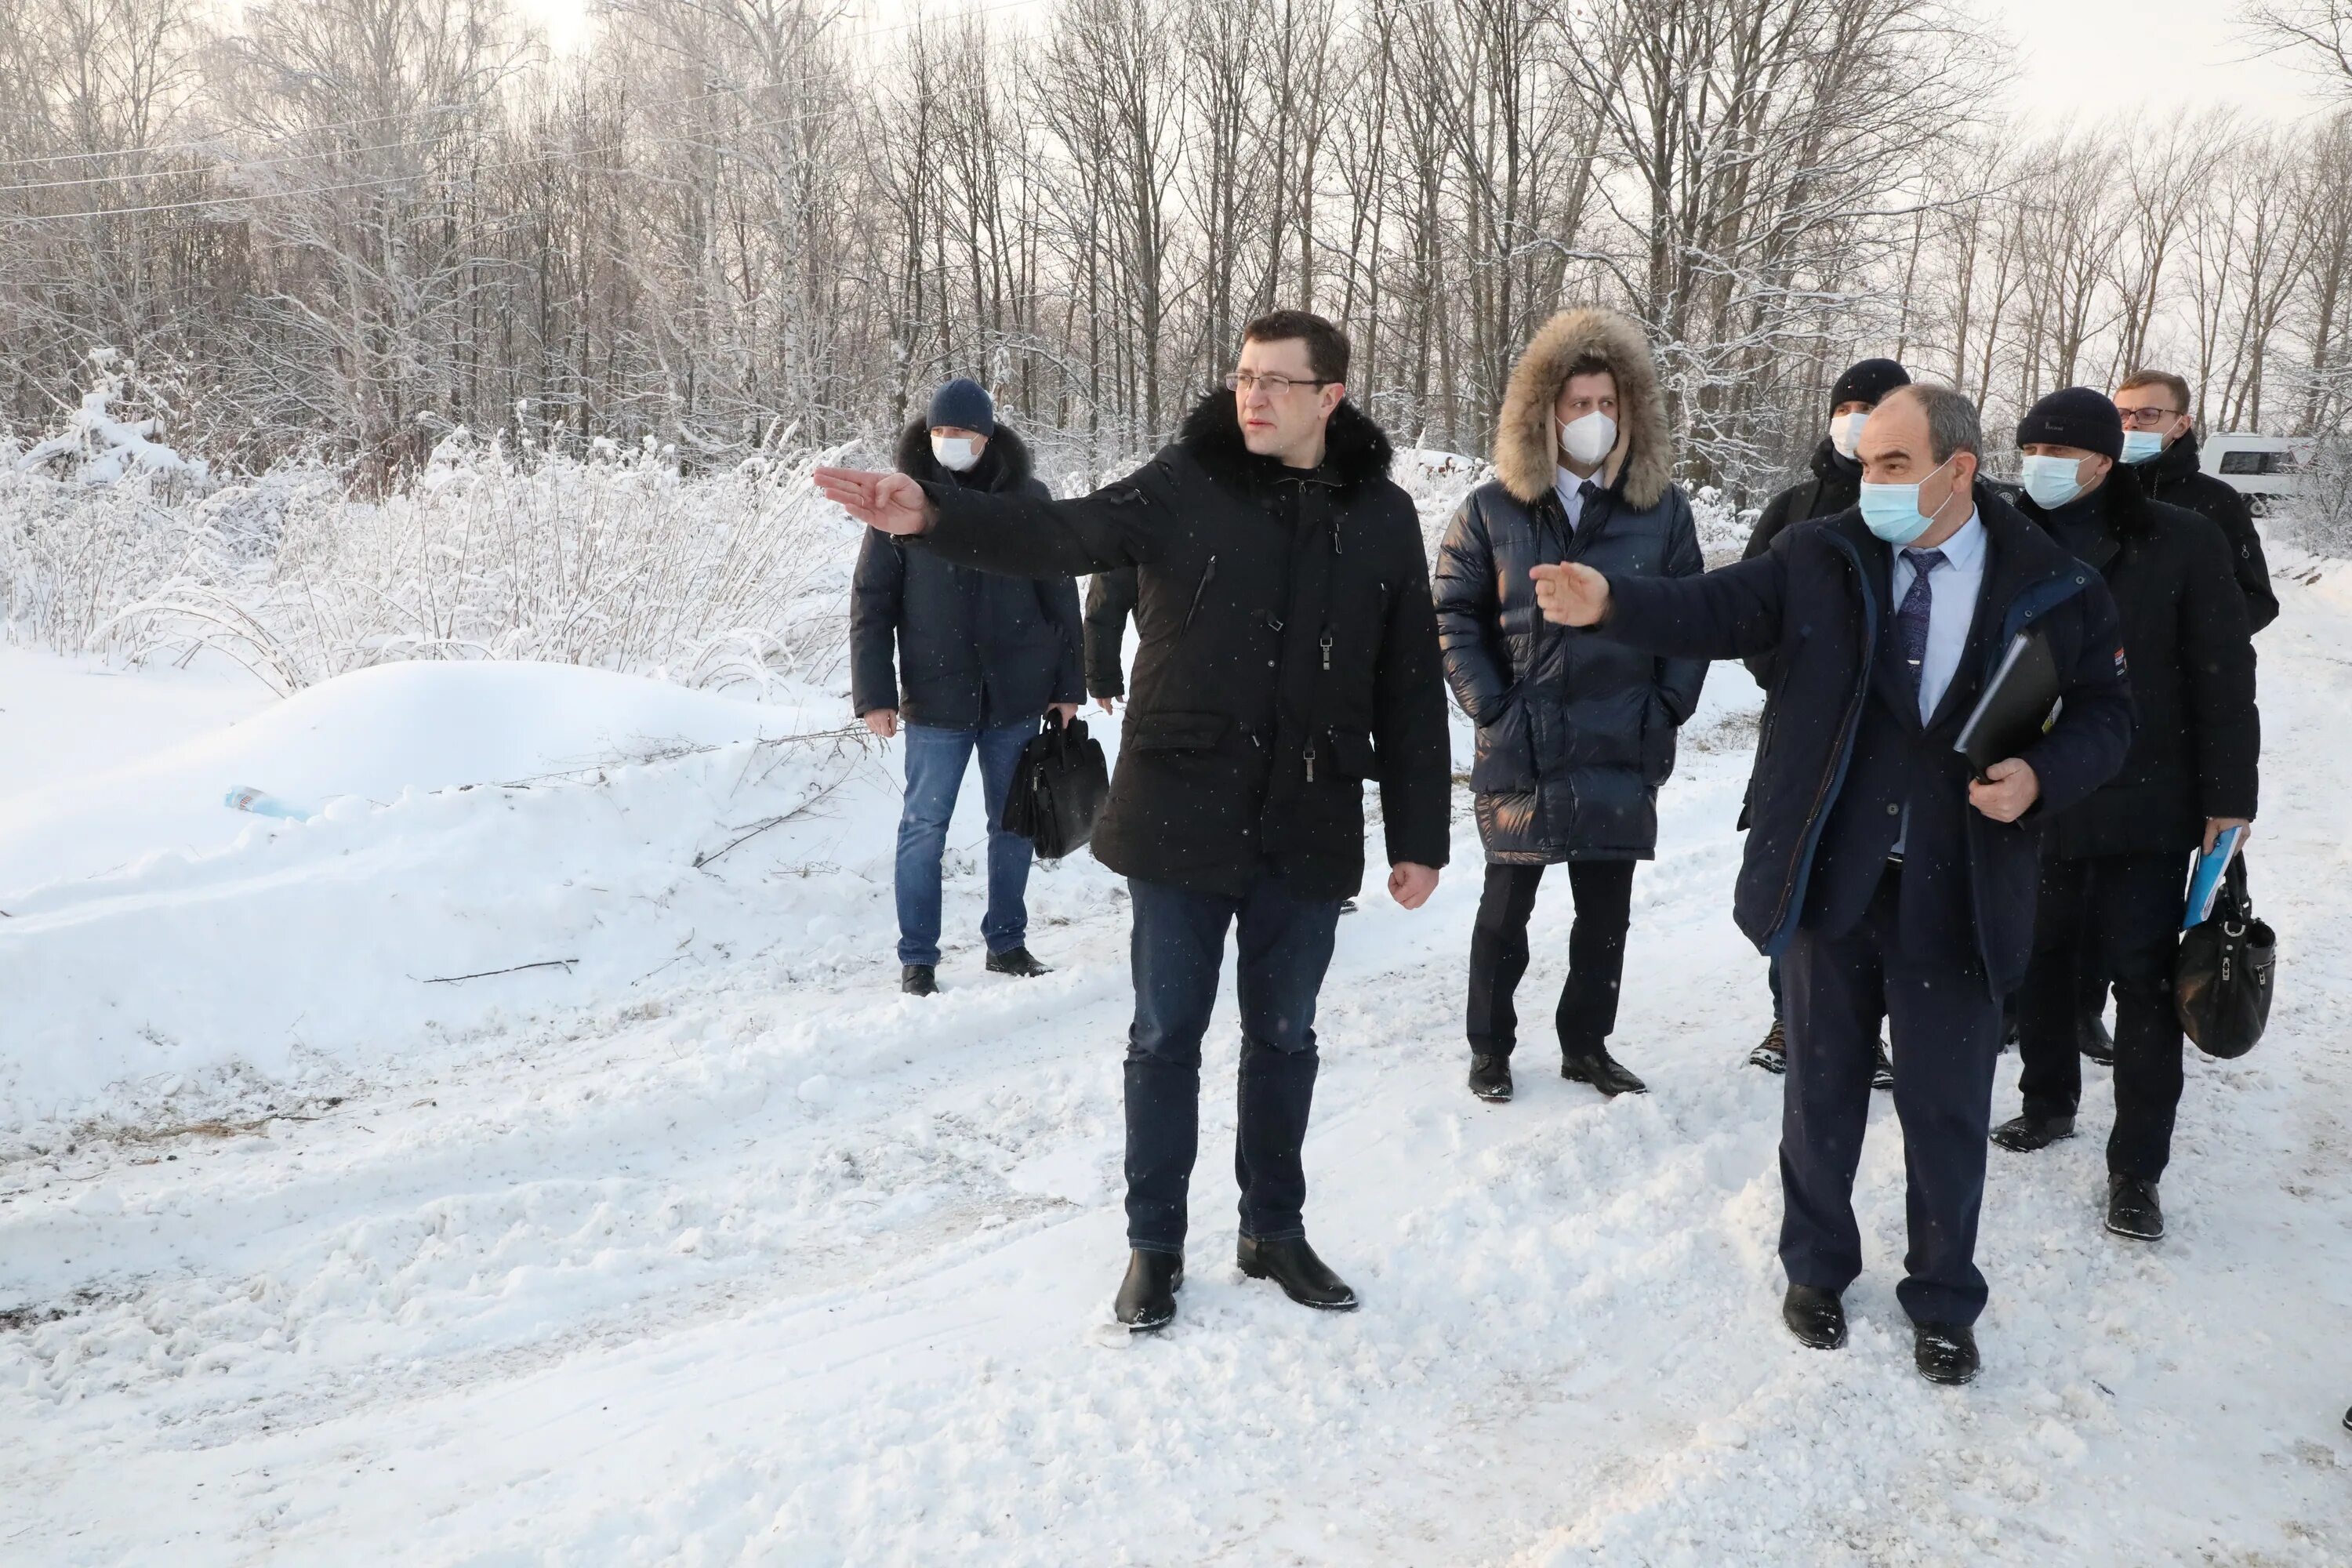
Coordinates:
1272	386
2147	418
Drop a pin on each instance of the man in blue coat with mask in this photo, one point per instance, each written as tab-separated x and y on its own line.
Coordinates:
1887	881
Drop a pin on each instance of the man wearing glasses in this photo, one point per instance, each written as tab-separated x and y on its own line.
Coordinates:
2160	445
1288	655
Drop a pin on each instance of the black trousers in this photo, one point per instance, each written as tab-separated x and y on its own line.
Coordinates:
1945	1029
1176	948
1603	891
2122	914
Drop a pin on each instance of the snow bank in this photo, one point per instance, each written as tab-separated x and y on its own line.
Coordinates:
157	935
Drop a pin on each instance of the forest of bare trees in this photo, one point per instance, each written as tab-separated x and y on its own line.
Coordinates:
340	229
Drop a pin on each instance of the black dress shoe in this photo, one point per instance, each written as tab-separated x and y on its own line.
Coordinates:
1016	961
1602	1071
1772	1053
1815	1316
1490	1078
1882	1070
1292	1264
1146	1297
2132	1209
2027	1133
916	980
2092	1038
1945	1353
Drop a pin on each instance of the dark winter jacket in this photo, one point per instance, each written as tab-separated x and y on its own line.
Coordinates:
1849	756
1836	485
2173	477
1110	599
2195	737
1575	733
1287	654
975	650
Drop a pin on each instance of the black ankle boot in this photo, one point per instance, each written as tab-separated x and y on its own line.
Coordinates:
1816	1317
1490	1078
1944	1352
1146	1297
917	980
1292	1264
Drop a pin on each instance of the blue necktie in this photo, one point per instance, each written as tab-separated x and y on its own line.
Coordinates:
1911	618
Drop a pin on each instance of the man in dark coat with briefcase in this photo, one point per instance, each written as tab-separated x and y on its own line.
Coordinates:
1575	733
1287	655
2114	866
1890	882
978	661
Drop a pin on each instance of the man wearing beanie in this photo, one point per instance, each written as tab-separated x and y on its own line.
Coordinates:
1835	486
2114	866
979	659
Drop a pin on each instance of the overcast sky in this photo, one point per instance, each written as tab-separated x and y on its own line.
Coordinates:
2084	59
2092	59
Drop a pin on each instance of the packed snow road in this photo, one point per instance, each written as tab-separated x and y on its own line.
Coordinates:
711	1249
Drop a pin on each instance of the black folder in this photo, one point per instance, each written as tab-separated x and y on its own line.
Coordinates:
2019	705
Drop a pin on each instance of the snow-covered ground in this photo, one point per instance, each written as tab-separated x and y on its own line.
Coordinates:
699	1244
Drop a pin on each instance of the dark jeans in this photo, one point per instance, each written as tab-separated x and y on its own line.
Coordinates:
1945	1028
1603	891
936	760
1176	948
2122	914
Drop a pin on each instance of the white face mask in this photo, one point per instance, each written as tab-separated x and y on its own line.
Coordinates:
1588	439
1845	433
957	454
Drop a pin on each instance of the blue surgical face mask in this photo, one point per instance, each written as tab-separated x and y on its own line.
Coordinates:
1892	511
2051	481
2139	446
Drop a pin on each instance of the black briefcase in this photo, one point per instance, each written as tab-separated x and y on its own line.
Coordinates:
1058	788
2222	981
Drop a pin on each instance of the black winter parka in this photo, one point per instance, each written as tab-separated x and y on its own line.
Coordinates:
2196	736
1287	653
975	650
2174	478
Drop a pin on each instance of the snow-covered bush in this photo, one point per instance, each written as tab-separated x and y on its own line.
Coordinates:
2322	517
613	560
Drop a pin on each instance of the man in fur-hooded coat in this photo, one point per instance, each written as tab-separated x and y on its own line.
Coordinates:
1575	733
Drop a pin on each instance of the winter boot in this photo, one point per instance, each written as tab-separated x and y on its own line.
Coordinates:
1945	1353
1815	1316
1490	1078
1882	1070
1146	1297
1292	1264
916	980
1602	1071
1772	1052
2092	1038
2027	1133
2132	1209
1016	961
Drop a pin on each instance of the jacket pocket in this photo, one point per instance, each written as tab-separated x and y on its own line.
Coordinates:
1174	732
1658	729
1352	755
1507	753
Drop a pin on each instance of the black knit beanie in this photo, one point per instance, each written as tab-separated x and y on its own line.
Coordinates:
1868	380
2075	416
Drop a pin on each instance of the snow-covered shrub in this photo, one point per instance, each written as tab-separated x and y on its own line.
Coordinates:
2322	517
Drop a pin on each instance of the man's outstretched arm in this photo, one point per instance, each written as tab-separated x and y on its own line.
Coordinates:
1019	535
1732	612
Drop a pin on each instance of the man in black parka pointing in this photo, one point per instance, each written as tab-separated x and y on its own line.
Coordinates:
1287	654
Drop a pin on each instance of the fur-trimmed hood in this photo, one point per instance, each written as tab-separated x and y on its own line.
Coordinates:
1004	463
1527	441
1354	448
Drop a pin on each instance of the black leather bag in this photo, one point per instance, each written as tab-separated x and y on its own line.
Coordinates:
1059	786
2222	981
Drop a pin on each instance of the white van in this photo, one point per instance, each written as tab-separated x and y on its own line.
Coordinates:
2266	469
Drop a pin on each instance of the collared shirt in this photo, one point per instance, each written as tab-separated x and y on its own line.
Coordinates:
1951	606
1571	489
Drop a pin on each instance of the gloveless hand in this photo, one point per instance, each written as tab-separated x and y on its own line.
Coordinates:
1410	884
1571	593
891	503
2010	793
